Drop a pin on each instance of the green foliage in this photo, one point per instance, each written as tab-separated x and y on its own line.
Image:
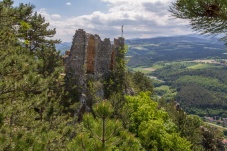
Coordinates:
194	97
208	83
116	81
24	25
93	92
207	17
199	91
35	108
170	49
142	109
159	136
165	91
225	132
142	82
30	88
202	136
36	39
71	95
103	132
211	138
152	125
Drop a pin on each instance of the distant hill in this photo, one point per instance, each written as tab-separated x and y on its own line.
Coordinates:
149	50
62	47
143	52
182	38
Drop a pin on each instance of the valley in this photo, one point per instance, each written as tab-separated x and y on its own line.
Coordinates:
192	72
190	69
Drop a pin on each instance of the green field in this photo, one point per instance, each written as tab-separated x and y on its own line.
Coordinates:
163	88
165	91
147	69
189	65
202	66
144	70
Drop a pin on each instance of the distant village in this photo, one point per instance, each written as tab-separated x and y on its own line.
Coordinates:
216	120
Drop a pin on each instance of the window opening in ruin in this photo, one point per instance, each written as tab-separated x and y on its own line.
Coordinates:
91	55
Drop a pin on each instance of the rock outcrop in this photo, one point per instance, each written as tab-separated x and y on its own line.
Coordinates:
90	57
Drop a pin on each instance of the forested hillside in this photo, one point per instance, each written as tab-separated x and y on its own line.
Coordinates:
144	52
200	91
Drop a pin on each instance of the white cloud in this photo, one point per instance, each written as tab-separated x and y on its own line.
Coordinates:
141	19
68	3
56	16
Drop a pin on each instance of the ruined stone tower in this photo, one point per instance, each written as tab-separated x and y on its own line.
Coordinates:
90	56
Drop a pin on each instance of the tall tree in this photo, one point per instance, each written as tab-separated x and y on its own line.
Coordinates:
38	34
142	82
30	110
37	38
101	132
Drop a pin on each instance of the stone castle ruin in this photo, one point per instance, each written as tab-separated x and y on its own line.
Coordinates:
90	55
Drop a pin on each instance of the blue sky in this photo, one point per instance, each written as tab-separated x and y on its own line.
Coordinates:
141	18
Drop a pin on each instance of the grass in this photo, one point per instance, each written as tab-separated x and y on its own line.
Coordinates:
144	70
157	66
202	66
156	45
164	88
164	91
189	65
139	47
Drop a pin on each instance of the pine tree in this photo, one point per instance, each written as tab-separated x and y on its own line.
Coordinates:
206	17
38	33
30	88
103	133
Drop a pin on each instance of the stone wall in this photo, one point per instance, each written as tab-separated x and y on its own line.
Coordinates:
90	58
90	55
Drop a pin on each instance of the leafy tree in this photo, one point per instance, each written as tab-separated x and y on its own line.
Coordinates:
201	135
187	125
200	91
211	138
142	82
207	17
153	126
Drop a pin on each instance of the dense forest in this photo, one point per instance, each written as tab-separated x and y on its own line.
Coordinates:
38	105
199	91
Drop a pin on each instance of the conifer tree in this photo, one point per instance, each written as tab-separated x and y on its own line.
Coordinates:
103	133
30	109
38	33
205	16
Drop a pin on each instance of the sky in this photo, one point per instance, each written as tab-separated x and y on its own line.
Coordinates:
141	18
